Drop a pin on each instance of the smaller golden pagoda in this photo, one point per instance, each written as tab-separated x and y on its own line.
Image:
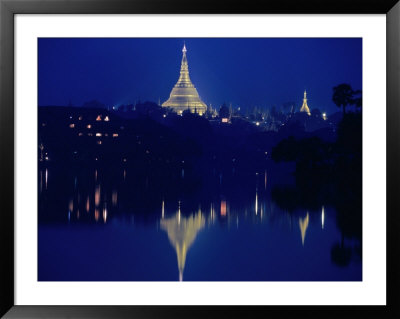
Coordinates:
184	95
304	107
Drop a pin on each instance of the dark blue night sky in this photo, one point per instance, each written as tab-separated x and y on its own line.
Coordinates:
245	72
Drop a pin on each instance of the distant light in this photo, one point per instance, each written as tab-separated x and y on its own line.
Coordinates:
257	123
224	120
124	159
80	118
99	142
115	135
223	208
98	134
70	117
80	133
107	119
324	116
98	118
96	159
72	125
165	115
89	126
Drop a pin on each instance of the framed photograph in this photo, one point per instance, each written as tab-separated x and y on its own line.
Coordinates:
171	159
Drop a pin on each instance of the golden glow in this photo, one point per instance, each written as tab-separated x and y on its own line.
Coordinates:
184	95
223	208
182	232
225	120
98	118
72	125
97	196
324	116
304	107
303	224
98	134
115	135
89	126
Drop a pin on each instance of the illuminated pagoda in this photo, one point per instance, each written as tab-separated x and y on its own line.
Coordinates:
182	232
304	107
184	95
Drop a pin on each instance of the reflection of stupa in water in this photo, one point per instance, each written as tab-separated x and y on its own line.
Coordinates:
184	95
182	232
303	224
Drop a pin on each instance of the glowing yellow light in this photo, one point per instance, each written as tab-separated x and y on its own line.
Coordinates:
224	120
303	224
304	107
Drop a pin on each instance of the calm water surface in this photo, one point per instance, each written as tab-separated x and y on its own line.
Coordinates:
120	224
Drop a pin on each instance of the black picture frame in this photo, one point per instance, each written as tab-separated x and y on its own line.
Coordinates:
8	8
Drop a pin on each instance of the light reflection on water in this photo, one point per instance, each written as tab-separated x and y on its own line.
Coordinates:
252	235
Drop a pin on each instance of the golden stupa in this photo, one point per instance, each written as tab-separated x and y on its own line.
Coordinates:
304	107
184	95
182	232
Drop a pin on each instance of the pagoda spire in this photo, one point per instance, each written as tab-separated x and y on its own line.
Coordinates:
304	107
184	94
